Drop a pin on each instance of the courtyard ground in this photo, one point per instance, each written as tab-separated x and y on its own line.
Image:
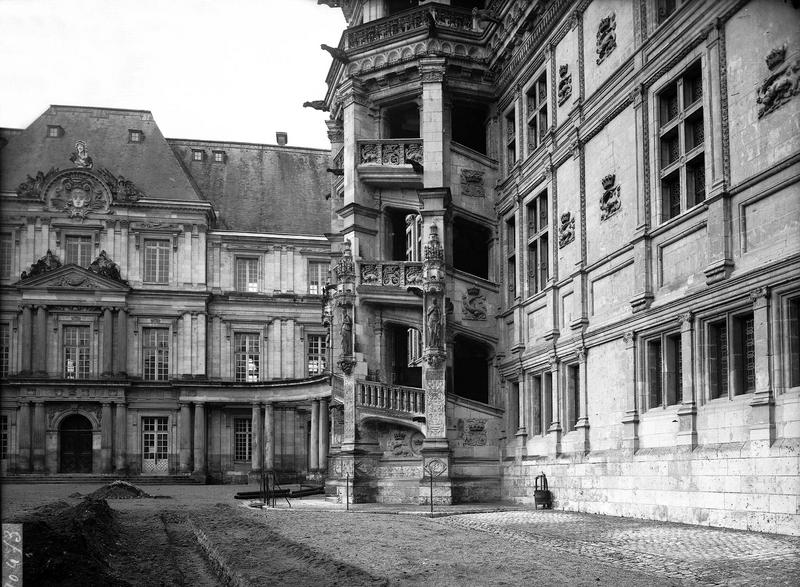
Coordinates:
200	535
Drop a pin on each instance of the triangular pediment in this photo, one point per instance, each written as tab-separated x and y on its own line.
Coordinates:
72	277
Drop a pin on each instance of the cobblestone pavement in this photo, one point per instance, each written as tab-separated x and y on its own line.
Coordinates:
676	551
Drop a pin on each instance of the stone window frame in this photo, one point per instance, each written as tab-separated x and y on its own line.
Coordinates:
786	306
5	436
236	354
5	349
536	234
172	444
54	131
92	245
734	361
135	136
317	334
323	269
671	7
7	239
246	435
545	402
414	347
669	382
510	138
233	327
571	395
89	322
218	156
160	238
686	162
170	354
510	234
533	114
243	257
198	155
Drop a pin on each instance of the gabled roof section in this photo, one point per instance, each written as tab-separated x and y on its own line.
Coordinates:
261	188
72	277
149	163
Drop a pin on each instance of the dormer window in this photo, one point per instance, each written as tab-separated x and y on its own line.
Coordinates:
198	155
219	156
54	131
135	136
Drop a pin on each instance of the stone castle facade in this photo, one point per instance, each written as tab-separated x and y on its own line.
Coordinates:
552	237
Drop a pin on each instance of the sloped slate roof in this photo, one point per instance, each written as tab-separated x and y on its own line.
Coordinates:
262	188
151	164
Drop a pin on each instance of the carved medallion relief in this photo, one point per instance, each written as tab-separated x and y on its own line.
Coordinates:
564	84
566	230
781	84
609	202
606	37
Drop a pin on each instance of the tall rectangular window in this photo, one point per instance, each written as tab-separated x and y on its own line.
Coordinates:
538	243
664	370
511	139
316	354
317	276
413	237
156	261
242	439
78	250
76	352
5	349
682	143
3	437
247	356
793	342
511	263
536	99
540	403
6	247
573	395
247	274
730	357
155	354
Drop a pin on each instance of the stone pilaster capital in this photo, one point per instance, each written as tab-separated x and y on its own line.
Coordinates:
351	91
106	403
183	405
758	295
41	307
685	319
121	403
24	403
108	309
580	352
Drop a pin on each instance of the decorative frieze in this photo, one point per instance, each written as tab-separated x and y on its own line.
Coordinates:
606	37
393	274
782	83
609	202
390	153
566	230
408	21
564	84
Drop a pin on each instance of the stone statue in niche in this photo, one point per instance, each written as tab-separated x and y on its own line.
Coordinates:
566	232
606	37
434	322
564	84
80	157
782	83
473	304
105	267
346	331
609	202
47	263
472	183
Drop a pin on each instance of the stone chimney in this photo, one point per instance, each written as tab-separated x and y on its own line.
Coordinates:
282	138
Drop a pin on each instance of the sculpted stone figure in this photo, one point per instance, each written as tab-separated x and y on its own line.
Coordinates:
81	156
435	324
346	331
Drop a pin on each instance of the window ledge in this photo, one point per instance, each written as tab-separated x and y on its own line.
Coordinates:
695	210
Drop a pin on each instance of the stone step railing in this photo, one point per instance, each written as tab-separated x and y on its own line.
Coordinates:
390	273
407	21
390	152
394	398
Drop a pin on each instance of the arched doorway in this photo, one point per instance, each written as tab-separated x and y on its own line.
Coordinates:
75	435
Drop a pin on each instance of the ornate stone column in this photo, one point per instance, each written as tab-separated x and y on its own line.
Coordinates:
313	449
121	440
199	440
106	430
435	448
40	357
433	122
762	406
687	411
108	342
26	335
38	436
269	437
24	437
255	446
185	439
121	332
630	421
323	435
555	430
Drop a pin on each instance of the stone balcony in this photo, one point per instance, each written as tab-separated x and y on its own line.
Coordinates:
395	283
397	401
391	162
408	23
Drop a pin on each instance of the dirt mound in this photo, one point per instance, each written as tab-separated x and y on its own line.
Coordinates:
118	490
68	545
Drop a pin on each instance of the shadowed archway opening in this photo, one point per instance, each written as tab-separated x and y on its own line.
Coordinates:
75	436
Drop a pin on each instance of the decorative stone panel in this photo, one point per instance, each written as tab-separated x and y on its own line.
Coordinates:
606	37
782	83
472	183
564	84
609	203
566	231
473	304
